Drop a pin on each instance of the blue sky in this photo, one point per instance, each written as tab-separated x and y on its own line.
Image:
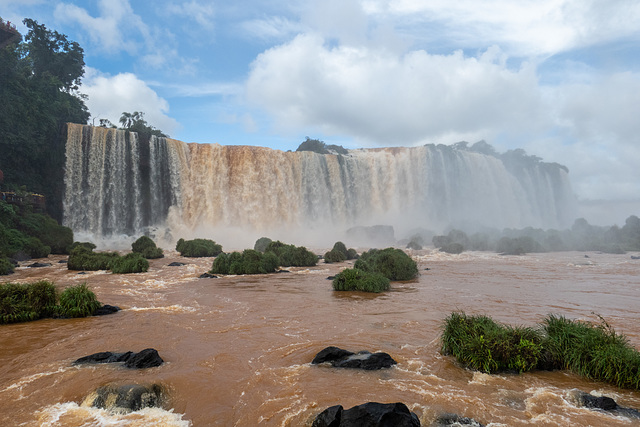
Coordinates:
559	78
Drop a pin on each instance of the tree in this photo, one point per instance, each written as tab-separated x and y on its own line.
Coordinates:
135	122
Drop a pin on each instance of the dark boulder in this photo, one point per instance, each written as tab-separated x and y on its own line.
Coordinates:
106	309
207	276
601	403
370	414
456	420
147	358
83	272
340	358
126	398
63	261
176	264
39	264
635	257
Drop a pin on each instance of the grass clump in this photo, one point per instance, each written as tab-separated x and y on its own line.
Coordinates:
479	343
353	279
26	302
392	263
130	263
78	301
292	256
596	352
198	248
147	248
82	258
248	262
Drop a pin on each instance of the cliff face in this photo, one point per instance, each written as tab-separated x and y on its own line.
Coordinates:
117	185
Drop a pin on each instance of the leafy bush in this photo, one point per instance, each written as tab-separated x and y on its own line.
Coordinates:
6	267
130	263
198	248
479	343
352	254
292	256
13	241
78	301
595	352
248	262
334	256
59	238
452	248
34	247
87	245
82	258
26	302
261	244
352	279
147	248
392	263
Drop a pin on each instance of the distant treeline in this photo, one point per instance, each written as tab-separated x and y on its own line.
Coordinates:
581	237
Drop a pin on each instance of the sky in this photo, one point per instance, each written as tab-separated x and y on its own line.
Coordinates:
557	78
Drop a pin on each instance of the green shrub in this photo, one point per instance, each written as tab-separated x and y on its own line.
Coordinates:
82	258
34	247
351	279
261	244
392	263
147	248
352	254
78	301
248	262
595	352
26	302
87	245
452	248
6	267
130	263
198	248
292	256
334	256
59	238
479	343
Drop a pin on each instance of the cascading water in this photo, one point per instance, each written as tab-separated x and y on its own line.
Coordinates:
117	184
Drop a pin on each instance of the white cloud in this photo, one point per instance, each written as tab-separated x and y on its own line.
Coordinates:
110	96
392	99
270	28
201	13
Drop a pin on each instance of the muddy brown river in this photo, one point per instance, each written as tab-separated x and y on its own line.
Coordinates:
238	348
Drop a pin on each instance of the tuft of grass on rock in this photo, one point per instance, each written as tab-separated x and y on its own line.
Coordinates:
479	343
130	263
198	248
82	258
352	279
292	256
78	301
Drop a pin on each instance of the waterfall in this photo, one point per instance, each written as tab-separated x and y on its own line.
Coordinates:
117	184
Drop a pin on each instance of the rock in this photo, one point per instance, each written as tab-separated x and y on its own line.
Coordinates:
601	403
147	358
39	264
635	257
340	358
331	277
283	271
83	272
126	398
456	420
177	264
106	309
370	414
207	276
63	261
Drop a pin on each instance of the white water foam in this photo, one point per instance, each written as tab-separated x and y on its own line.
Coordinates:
70	413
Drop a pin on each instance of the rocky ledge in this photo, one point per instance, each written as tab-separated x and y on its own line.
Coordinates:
371	414
147	358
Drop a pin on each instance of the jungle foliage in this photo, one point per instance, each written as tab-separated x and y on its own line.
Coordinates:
198	248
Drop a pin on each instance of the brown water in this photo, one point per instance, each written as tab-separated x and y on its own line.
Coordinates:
237	349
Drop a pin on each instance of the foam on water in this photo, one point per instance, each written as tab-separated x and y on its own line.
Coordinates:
71	414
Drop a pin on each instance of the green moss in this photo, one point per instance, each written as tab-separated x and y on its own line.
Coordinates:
130	263
351	279
392	263
198	248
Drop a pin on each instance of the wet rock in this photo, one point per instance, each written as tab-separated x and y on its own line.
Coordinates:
207	276
601	403
147	358
126	398
283	271
635	257
371	414
83	272
63	261
176	264
106	309
340	358
331	277
456	420
39	264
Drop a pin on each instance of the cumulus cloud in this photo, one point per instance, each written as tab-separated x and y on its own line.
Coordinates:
387	98
110	96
